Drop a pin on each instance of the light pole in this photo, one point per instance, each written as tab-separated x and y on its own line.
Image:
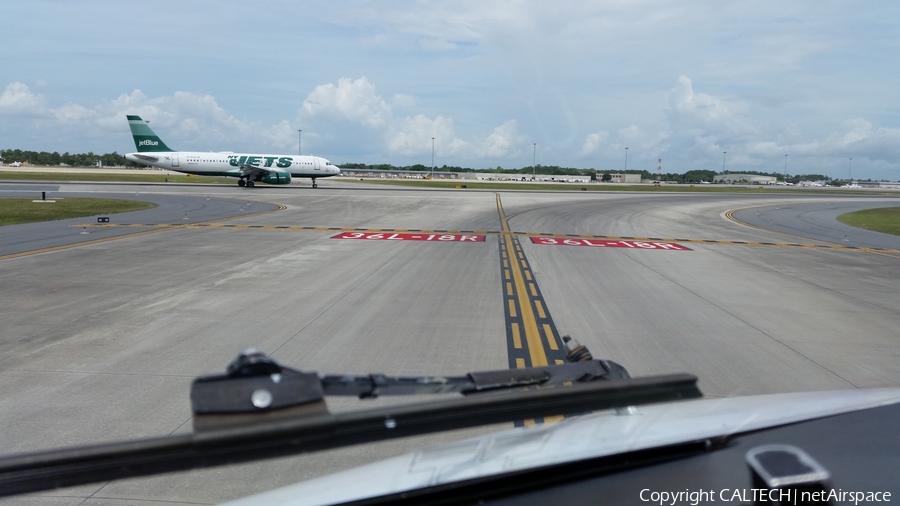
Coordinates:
533	159
299	142
626	159
432	158
850	173
785	168
723	162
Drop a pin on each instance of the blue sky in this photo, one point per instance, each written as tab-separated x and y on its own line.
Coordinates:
375	81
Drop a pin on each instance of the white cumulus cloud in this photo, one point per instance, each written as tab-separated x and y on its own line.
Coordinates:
354	100
187	120
357	101
504	141
412	136
17	99
593	141
702	112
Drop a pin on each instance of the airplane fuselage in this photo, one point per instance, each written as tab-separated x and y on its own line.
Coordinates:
247	167
229	164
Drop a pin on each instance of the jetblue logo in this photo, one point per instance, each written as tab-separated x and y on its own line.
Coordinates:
148	142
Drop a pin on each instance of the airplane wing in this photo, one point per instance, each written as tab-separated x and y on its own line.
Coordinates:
251	171
146	157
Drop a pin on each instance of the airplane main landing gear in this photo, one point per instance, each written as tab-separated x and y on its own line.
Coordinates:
246	182
250	183
241	182
314	183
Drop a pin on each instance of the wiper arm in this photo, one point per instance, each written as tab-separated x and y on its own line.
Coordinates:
261	410
374	385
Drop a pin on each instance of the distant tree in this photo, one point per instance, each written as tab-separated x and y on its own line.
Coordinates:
692	176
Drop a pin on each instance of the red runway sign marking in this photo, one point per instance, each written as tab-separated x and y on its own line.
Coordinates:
381	236
607	243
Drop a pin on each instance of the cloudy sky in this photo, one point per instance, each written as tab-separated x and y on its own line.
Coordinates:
374	82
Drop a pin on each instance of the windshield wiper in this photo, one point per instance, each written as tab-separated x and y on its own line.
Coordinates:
261	410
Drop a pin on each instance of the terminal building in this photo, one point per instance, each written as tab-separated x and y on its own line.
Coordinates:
744	179
625	178
398	174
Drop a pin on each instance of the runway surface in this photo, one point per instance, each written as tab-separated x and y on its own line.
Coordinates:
101	340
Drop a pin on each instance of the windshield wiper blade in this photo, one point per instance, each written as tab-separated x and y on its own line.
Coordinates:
226	432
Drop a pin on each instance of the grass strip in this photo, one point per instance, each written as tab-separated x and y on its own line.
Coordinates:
16	211
885	219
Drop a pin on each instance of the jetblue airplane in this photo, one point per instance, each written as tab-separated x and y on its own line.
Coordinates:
247	167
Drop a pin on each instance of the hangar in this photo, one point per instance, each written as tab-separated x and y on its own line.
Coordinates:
744	179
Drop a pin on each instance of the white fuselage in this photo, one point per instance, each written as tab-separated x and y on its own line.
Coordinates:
229	164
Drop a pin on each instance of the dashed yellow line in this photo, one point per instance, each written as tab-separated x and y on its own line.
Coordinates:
551	339
540	309
517	337
532	334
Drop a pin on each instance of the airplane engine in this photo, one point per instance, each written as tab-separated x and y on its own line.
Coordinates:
277	178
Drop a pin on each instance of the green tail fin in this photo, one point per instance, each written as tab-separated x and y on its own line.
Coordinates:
144	139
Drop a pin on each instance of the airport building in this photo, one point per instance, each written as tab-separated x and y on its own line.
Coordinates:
744	179
625	178
543	178
398	174
878	184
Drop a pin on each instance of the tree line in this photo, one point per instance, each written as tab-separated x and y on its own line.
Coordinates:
89	159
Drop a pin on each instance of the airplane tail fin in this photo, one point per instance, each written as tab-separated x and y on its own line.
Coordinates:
144	139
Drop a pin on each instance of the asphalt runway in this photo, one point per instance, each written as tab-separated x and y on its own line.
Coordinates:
101	340
171	209
818	221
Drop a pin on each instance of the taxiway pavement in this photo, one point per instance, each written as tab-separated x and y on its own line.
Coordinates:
101	341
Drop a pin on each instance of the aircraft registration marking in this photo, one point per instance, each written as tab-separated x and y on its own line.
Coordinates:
410	237
607	243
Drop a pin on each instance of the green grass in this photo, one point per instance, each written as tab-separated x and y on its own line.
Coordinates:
606	187
15	211
137	177
886	219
